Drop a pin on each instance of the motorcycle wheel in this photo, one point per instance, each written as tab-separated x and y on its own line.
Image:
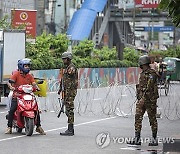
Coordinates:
29	126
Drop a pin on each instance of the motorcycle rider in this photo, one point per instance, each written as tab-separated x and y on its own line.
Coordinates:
21	77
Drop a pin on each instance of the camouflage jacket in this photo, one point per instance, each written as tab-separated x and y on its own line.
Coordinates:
70	81
147	87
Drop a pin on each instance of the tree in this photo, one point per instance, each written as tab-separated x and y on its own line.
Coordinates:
46	52
173	7
4	24
105	53
84	49
131	55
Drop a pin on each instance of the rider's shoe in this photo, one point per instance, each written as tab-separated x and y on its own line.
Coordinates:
40	130
8	130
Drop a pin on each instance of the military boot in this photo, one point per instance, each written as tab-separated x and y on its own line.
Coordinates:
69	131
154	141
136	140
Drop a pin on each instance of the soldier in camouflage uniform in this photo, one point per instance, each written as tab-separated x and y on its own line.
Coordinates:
147	95
70	83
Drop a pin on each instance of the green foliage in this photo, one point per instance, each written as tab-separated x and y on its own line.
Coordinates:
117	63
59	44
171	52
131	55
46	52
105	54
177	51
4	24
172	6
95	63
84	49
85	55
86	62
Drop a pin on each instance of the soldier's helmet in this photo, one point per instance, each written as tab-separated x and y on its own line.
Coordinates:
144	60
67	55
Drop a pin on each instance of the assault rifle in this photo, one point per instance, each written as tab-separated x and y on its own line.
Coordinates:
61	100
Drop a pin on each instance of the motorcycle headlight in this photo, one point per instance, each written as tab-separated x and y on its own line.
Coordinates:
27	97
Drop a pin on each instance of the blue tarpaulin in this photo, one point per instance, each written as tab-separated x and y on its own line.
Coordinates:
82	21
96	5
81	24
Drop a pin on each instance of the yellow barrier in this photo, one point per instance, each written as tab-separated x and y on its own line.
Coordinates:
42	84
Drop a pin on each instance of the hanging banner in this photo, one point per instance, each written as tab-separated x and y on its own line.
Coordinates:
25	19
147	3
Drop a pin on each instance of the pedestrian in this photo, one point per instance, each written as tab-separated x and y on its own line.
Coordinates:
69	82
162	70
154	64
11	93
147	95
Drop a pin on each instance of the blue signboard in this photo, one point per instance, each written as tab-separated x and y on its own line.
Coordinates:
160	29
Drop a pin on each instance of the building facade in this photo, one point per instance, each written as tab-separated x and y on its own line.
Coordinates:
7	5
53	16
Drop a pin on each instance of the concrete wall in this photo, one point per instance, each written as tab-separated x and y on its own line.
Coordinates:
93	77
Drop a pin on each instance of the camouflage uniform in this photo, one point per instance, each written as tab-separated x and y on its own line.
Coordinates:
70	82
147	95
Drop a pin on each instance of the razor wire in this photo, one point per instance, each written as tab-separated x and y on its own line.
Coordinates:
115	99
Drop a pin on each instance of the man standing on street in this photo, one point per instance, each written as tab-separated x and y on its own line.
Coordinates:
68	86
147	95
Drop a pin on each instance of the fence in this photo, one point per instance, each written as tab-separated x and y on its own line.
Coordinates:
107	91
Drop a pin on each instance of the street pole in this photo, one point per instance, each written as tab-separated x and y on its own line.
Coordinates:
65	15
134	16
174	36
152	31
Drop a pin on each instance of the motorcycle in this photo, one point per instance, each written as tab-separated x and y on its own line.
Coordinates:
27	109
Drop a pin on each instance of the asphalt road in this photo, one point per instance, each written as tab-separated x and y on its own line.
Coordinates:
100	127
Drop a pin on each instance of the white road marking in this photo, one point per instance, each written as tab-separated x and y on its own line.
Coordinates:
85	123
96	99
51	130
129	148
52	111
4	112
11	138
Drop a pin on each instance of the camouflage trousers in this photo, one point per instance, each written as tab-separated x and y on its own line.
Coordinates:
151	108
69	106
